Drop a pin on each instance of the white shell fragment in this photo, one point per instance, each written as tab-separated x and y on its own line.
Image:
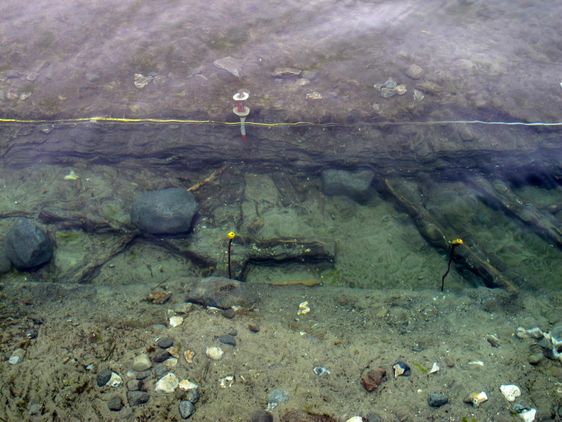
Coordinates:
175	321
171	363
214	353
510	391
355	419
476	363
434	368
187	385
115	380
167	384
226	381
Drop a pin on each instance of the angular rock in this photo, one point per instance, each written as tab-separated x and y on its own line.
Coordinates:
437	399
372	379
27	245
165	211
141	363
219	292
103	377
167	384
286	72
136	398
354	184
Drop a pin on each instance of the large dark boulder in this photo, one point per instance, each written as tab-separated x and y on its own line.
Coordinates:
166	211
5	263
27	245
354	184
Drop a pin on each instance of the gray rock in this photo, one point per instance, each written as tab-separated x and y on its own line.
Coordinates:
165	342
354	184
414	71
115	404
136	398
160	370
16	357
227	339
192	395
35	409
27	245
437	399
161	356
103	377
141	363
166	211
5	263
186	409
286	72
141	375
262	416
134	385
219	292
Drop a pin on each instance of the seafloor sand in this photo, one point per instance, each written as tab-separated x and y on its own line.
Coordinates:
346	331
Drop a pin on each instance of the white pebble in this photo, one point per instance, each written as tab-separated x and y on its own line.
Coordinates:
176	321
187	385
167	384
214	353
115	380
17	357
510	391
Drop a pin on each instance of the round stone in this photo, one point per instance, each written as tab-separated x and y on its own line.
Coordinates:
186	409
27	245
166	211
262	416
165	342
437	399
103	377
141	363
115	404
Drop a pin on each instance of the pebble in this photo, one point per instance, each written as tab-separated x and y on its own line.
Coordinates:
286	72
372	379
160	371
161	356
17	357
230	65
165	342
254	328
192	395
493	340
176	321
214	353
141	363
228	313
355	419
276	397
437	399
401	369
261	416
414	71
115	404
142	375
31	333
167	384
510	391
136	398
103	377
115	380
536	358
227	339
35	409
186	409
476	398
187	385
134	385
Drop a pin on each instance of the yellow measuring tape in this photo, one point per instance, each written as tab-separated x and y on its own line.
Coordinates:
265	124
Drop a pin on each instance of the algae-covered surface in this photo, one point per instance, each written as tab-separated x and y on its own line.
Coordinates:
375	302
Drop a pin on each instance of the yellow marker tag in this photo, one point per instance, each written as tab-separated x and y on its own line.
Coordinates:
457	242
230	235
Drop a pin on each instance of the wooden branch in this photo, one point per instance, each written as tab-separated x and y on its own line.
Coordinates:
434	233
498	195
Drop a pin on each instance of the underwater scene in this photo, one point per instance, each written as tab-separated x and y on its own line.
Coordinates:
281	211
